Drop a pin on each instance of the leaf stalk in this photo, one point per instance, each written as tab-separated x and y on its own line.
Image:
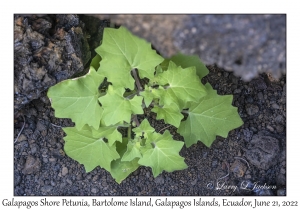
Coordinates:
137	81
129	132
135	119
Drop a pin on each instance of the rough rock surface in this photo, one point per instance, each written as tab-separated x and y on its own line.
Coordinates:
263	151
245	44
47	50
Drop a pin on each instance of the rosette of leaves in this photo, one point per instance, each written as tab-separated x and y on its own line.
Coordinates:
126	78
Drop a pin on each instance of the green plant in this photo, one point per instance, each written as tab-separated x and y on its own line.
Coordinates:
126	80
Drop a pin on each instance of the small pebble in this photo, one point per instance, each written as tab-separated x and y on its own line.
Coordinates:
275	106
248	176
64	171
251	109
260	96
69	182
236	91
22	137
279	128
46	188
238	168
32	165
279	119
53	183
94	190
159	180
270	128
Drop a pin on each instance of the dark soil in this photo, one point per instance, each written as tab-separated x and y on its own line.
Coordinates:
252	155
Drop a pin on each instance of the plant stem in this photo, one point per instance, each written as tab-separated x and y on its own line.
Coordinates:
134	117
137	81
163	129
129	132
131	96
126	125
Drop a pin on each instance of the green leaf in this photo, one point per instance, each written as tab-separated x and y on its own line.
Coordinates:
96	62
117	108
157	77
122	169
213	115
121	52
111	133
155	137
78	99
169	113
88	150
150	93
181	86
147	94
186	61
133	151
164	154
144	129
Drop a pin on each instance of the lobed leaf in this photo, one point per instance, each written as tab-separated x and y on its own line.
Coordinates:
121	169
78	99
88	150
150	93
171	114
121	52
111	133
147	95
186	61
144	129
164	154
132	152
117	108
213	115
181	86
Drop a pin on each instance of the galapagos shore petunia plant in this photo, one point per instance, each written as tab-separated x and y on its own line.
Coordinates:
126	80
